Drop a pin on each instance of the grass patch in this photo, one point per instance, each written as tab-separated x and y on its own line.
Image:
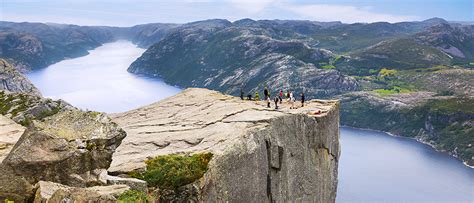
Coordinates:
452	106
394	90
328	67
130	196
384	72
173	171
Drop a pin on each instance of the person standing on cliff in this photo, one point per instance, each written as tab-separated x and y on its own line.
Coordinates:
292	101
257	97
280	97
241	94
265	93
302	99
268	102
276	101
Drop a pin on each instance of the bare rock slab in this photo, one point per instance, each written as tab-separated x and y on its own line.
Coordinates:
10	132
260	154
49	192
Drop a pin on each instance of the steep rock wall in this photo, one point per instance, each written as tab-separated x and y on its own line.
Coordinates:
260	154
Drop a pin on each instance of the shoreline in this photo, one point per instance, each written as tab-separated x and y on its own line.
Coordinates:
413	138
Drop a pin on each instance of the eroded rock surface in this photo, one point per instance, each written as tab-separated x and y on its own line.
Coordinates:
13	81
73	148
260	154
49	192
10	132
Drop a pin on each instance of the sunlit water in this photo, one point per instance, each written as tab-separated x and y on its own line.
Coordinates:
100	81
374	167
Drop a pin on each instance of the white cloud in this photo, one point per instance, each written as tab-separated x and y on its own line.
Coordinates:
346	14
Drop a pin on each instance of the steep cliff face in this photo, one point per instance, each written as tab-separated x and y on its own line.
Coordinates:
259	154
219	55
445	122
12	80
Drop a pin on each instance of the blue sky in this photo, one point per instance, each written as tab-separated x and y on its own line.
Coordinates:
132	12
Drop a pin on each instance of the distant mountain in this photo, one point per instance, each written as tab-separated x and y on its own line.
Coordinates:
457	41
229	57
36	45
148	34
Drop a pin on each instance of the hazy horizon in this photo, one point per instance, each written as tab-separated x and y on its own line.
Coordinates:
462	22
124	13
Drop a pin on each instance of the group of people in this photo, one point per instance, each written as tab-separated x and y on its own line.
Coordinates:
277	99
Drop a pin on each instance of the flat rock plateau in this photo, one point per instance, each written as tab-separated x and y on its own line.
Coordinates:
259	153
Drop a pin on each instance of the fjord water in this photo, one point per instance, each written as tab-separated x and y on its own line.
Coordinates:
377	167
374	167
100	81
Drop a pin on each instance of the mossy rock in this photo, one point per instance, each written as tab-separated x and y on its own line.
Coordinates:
173	171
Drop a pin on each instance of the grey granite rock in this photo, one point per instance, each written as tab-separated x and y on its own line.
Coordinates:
260	154
13	81
10	132
49	192
72	148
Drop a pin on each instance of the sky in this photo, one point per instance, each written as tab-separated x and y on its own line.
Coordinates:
133	12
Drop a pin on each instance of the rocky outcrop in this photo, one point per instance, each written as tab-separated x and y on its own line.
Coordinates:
23	108
49	192
258	153
10	132
13	81
222	56
72	147
444	122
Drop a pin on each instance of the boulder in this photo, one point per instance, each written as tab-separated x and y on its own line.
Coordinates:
72	148
259	154
133	183
10	132
49	192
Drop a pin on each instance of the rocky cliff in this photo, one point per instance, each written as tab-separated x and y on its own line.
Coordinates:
59	154
12	80
228	57
259	154
444	122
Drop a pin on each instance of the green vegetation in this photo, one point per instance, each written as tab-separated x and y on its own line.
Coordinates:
173	171
384	72
94	114
394	90
15	103
448	120
328	67
133	196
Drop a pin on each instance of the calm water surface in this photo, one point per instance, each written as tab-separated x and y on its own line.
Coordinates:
374	167
100	81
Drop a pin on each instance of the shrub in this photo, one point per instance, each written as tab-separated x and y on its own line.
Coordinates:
328	67
387	72
173	171
130	196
